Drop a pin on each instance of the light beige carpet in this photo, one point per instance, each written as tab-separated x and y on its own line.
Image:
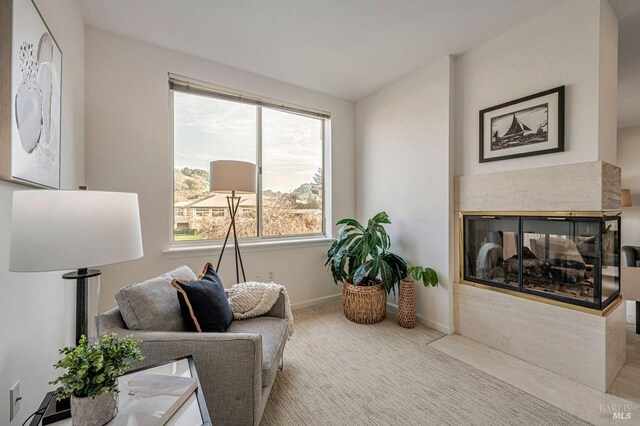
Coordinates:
340	373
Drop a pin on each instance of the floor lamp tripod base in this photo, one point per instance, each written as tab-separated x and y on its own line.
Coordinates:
234	203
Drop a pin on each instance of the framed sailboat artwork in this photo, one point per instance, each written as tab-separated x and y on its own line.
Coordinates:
532	125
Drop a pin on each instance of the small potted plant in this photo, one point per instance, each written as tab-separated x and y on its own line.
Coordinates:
407	303
91	377
360	259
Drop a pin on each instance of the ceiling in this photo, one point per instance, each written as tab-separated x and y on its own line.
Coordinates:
346	48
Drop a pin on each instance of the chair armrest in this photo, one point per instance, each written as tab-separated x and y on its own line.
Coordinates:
630	255
229	368
277	310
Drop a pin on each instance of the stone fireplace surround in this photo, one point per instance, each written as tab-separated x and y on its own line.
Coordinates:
587	347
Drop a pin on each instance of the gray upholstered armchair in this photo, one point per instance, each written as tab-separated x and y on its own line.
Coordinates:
631	278
236	368
630	256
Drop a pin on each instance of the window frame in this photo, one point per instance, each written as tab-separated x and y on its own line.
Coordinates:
219	92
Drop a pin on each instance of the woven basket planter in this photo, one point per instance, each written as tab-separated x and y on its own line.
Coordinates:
364	304
407	305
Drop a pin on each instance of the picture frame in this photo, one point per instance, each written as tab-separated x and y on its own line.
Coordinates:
532	125
30	97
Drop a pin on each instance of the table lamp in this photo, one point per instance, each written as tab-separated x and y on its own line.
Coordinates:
62	230
625	197
232	177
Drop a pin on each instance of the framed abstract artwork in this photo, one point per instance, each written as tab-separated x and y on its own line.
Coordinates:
532	125
30	97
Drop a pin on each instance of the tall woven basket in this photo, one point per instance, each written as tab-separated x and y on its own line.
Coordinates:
364	304
407	305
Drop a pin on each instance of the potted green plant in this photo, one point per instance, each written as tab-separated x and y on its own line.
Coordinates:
360	259
407	302
91	374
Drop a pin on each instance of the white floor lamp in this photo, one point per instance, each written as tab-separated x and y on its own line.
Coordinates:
61	230
232	177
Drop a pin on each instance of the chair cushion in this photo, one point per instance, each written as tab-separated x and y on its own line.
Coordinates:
152	304
274	337
203	302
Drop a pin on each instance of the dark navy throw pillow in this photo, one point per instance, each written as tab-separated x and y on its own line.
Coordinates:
203	303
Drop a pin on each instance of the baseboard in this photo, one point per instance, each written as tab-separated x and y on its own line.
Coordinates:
317	301
422	320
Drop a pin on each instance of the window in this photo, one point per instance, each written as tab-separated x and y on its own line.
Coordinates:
287	145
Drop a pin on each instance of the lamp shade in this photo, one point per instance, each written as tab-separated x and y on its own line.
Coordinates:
63	230
625	197
227	176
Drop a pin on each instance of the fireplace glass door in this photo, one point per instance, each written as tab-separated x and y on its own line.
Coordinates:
491	250
561	257
566	258
610	260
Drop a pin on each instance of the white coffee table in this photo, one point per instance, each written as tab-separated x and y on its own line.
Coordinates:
192	412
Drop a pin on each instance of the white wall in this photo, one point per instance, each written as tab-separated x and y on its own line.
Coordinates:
127	109
36	310
403	132
572	45
608	83
628	160
403	139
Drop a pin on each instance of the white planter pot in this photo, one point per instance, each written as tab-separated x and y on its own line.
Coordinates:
94	411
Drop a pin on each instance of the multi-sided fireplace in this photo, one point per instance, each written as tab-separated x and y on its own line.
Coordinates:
569	258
